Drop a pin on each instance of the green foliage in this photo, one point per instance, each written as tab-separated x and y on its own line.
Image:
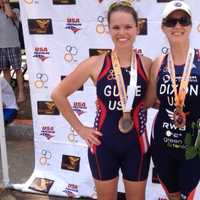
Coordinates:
188	139
190	152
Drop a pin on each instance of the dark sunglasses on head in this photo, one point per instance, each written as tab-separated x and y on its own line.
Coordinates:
119	3
171	22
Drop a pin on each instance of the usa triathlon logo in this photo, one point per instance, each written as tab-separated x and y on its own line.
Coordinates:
71	190
79	107
41	53
73	24
48	132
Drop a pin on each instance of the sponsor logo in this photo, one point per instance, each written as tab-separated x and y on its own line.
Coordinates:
102	26
70	163
73	24
48	132
71	52
165	50
71	190
45	157
40	26
47	108
172	134
72	136
41	53
79	107
163	1
42	79
96	52
64	2
142	25
178	4
41	184
174	143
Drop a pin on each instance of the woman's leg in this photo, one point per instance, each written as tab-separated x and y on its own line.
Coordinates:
135	190
107	190
20	83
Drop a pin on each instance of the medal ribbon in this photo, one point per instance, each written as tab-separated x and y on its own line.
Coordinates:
180	96
126	99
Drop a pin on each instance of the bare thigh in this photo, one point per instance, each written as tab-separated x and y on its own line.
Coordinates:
135	190
106	190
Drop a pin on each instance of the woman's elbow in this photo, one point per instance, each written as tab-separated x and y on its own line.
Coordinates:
54	94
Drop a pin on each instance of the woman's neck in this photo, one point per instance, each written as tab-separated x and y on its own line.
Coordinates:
124	56
179	53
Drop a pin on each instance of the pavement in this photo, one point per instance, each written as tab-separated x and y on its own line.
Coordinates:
20	150
20	153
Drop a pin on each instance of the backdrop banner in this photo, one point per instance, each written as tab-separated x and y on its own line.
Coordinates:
58	35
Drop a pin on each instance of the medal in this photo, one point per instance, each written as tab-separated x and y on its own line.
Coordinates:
125	123
179	118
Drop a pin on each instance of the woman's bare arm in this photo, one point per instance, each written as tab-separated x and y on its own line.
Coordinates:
85	70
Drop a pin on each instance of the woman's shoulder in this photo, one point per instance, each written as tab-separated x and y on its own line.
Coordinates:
94	60
94	65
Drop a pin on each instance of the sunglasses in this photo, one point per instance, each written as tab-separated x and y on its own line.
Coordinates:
119	3
171	22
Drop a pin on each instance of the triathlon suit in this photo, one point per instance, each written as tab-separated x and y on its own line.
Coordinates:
178	169
118	150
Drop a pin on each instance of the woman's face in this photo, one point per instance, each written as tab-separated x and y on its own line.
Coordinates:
123	29
179	32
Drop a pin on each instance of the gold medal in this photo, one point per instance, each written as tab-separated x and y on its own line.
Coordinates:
179	117
125	123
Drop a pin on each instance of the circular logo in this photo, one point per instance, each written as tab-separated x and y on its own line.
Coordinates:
72	136
164	50
45	156
70	53
168	133
166	78
101	26
41	80
178	4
